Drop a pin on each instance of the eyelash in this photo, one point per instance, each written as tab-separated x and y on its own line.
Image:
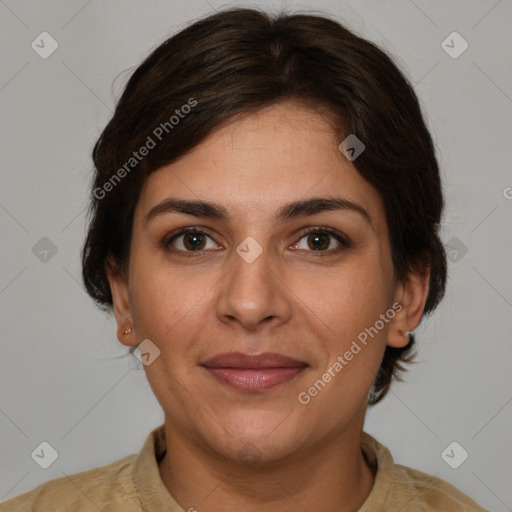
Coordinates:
344	241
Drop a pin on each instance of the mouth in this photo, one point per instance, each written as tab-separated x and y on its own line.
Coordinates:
253	373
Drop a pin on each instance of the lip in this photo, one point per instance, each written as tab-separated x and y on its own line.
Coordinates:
253	373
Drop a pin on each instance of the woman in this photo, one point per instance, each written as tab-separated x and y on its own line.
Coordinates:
265	218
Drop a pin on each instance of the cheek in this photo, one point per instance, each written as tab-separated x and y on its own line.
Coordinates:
164	297
355	347
347	307
347	299
169	310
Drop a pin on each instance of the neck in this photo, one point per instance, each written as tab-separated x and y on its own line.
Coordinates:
334	476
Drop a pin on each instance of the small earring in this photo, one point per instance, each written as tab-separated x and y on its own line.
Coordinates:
128	331
406	333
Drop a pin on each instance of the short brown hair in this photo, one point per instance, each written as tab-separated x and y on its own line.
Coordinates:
238	61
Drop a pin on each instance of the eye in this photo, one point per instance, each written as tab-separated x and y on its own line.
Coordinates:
323	240
190	240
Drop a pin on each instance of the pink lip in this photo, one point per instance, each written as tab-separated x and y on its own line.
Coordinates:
253	373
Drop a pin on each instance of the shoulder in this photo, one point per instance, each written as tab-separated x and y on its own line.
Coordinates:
85	491
429	492
399	487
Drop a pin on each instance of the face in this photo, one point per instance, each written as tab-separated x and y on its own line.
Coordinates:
297	285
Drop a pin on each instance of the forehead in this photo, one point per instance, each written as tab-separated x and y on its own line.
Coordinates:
254	163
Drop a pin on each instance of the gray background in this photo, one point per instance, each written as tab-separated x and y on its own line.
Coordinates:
64	378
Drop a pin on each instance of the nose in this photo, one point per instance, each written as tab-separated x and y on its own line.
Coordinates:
253	294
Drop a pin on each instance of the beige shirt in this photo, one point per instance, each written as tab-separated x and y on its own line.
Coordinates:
133	484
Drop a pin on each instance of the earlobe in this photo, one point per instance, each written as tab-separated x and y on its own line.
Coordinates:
411	295
120	302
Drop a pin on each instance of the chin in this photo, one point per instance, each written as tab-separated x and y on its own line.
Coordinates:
252	437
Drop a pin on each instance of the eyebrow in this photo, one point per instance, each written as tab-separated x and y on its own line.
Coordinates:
296	209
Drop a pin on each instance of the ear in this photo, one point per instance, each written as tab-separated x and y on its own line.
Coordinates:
121	303
412	295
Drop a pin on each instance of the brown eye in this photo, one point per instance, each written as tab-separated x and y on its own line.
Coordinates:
324	241
194	241
189	240
318	241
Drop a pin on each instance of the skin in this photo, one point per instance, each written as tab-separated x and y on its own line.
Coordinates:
290	300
